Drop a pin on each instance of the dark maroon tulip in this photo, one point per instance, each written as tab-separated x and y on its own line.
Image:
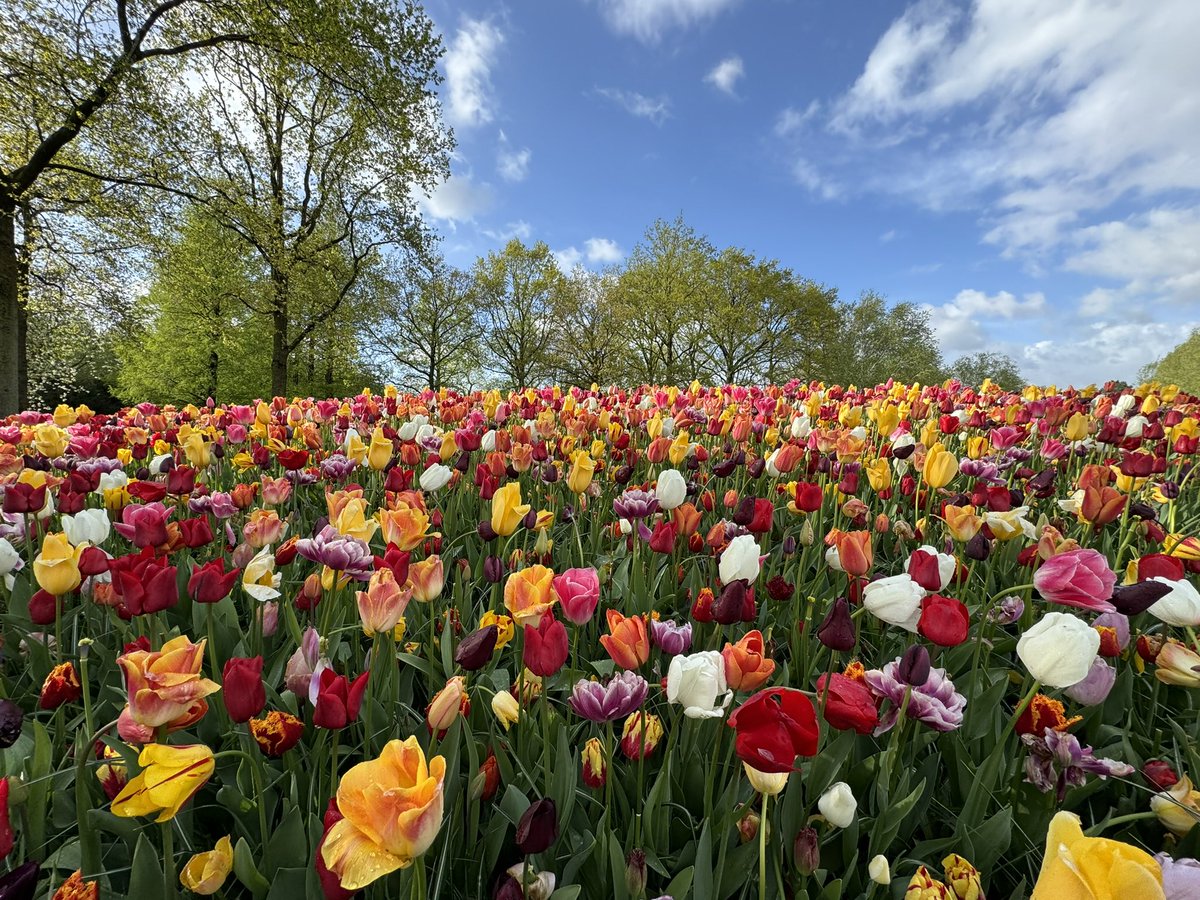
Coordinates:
837	631
476	649
914	666
537	829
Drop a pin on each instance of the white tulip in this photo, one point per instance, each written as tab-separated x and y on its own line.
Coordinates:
697	682
879	870
1181	607
895	600
111	480
671	489
740	560
156	464
10	563
838	805
90	525
487	443
435	478
1058	650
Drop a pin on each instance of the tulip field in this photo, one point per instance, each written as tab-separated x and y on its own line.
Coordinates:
787	641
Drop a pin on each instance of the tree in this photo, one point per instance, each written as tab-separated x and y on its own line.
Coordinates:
760	320
1180	366
85	83
873	342
428	325
662	293
591	336
520	289
973	368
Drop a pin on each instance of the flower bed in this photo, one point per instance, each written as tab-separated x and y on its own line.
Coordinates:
705	643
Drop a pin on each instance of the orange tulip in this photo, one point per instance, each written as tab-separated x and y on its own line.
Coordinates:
427	578
164	685
686	518
962	522
392	808
628	641
527	594
405	526
855	552
381	606
1101	505
747	667
264	527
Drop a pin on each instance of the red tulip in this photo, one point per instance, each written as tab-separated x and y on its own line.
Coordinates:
242	688
210	582
338	700
545	646
774	727
848	704
944	620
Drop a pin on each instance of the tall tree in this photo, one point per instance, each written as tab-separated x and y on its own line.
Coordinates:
1180	366
663	291
591	340
519	290
875	342
428	325
760	321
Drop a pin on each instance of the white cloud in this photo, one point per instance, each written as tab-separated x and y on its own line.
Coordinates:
512	164
1154	252
656	109
888	236
649	20
1099	351
602	250
519	229
456	200
791	119
725	74
597	251
960	324
808	176
468	63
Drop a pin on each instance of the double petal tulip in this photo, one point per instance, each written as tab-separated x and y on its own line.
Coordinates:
620	696
1078	578
165	684
404	526
628	641
527	594
1077	867
170	776
392	811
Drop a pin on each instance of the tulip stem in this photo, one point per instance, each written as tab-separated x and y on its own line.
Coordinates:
418	881
168	841
762	849
260	794
1120	820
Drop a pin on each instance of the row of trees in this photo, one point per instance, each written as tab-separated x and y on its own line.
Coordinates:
677	309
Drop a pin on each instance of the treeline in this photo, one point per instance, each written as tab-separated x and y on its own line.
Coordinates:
677	309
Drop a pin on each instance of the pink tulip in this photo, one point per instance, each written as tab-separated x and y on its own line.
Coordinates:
1079	578
578	590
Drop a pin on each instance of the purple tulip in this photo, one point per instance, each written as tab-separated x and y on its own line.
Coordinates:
935	703
1181	877
635	504
339	552
1056	761
618	698
672	639
1008	611
1096	685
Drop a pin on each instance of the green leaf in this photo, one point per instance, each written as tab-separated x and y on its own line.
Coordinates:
681	884
289	844
704	866
288	884
245	870
146	876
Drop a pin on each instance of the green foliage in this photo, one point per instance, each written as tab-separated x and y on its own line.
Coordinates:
1181	366
973	368
875	342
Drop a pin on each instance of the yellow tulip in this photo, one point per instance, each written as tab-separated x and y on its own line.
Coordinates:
57	566
504	627
580	476
506	708
50	440
679	448
1076	428
64	415
206	872
170	776
1178	807
507	508
940	467
352	520
197	450
379	454
962	522
1077	867
879	473
770	783
886	419
393	811
355	449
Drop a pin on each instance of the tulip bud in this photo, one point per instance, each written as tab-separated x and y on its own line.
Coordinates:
748	825
506	708
838	805
1132	599
837	630
807	851
476	649
537	829
594	767
635	872
914	666
806	534
879	870
978	548
1160	774
11	720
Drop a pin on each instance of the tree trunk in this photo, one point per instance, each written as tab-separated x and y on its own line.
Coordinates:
279	333
10	311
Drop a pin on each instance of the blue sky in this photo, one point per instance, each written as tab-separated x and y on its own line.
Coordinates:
1029	170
